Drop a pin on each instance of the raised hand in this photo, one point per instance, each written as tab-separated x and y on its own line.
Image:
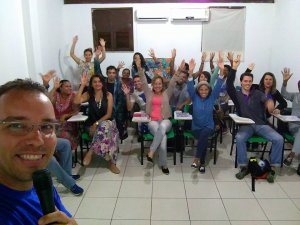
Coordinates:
221	61
230	56
102	42
98	51
182	66
192	65
173	53
138	63
121	64
286	74
84	78
56	83
251	66
203	57
75	38
236	62
211	56
47	77
125	89
152	53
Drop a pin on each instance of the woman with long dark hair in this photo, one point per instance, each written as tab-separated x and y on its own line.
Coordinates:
134	70
267	85
100	125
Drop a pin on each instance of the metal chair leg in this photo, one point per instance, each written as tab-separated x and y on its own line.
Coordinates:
142	150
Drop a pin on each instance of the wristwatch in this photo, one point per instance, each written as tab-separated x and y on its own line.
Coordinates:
97	123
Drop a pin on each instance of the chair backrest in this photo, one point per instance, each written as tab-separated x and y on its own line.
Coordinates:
283	127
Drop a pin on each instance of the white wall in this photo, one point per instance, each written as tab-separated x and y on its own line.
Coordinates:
285	48
263	42
30	37
12	42
38	31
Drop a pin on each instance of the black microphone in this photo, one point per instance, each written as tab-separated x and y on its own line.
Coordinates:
42	183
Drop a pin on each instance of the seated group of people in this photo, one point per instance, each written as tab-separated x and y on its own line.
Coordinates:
28	122
112	97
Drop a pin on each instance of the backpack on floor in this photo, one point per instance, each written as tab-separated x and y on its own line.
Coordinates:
259	168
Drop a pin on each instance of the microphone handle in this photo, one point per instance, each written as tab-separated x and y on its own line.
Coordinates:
47	201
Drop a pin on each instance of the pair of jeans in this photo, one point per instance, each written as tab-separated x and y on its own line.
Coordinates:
265	131
295	131
202	136
62	170
159	129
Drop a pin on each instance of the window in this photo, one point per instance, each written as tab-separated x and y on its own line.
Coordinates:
115	26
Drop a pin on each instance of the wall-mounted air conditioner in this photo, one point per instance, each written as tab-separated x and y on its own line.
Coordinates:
151	14
196	15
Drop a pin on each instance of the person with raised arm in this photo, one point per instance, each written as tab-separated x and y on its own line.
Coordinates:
159	111
294	128
134	70
252	103
267	85
62	97
86	65
99	124
203	98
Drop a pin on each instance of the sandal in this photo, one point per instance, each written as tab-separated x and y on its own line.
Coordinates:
194	165
165	170
288	160
202	168
149	159
271	176
243	172
87	158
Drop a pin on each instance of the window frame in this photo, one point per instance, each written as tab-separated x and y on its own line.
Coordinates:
113	32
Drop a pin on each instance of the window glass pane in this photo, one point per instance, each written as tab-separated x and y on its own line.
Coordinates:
115	26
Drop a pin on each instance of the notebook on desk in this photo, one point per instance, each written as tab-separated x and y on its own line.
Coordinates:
288	118
241	120
178	115
140	117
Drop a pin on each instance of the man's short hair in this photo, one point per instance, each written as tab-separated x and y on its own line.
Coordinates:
22	84
111	68
246	74
135	76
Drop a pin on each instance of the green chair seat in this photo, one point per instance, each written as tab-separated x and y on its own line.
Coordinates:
289	137
149	136
257	139
173	121
188	134
85	136
254	139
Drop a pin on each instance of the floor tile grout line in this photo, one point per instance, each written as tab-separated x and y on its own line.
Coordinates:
186	199
84	193
117	198
220	195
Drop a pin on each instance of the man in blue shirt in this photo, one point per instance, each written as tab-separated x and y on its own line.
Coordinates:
27	143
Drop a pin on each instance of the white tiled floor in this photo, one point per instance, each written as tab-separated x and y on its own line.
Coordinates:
142	195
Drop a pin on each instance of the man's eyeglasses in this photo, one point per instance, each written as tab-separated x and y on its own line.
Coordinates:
20	128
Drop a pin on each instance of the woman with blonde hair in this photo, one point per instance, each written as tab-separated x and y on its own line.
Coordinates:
159	111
